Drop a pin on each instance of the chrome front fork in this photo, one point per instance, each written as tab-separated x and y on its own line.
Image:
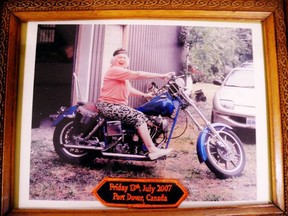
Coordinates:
207	123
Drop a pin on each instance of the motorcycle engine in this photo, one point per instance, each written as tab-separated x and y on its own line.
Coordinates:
128	142
158	129
122	148
159	122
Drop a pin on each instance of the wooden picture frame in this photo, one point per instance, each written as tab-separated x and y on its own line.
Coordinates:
269	12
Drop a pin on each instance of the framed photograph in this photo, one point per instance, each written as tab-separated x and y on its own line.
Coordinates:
157	47
44	41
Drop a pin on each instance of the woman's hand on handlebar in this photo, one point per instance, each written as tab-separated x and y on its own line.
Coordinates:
168	76
149	95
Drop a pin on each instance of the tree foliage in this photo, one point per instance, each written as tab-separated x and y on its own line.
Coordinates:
212	50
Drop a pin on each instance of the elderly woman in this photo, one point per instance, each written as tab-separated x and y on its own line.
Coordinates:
113	100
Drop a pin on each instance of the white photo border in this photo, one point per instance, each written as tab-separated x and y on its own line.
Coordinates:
25	116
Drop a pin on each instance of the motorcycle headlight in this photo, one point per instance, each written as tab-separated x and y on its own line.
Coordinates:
228	104
180	82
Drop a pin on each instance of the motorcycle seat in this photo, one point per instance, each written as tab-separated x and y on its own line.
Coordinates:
88	110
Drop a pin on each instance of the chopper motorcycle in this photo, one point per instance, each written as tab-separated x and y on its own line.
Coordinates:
82	133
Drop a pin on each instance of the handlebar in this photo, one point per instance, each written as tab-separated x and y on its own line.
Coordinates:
171	81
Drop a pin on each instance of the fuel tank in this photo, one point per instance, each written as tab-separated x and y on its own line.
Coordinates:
159	105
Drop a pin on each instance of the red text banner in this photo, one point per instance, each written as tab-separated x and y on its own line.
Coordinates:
140	193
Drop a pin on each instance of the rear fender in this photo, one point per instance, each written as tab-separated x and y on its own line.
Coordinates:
68	113
203	136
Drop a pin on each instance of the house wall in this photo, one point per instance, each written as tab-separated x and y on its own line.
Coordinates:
96	44
97	62
153	49
83	61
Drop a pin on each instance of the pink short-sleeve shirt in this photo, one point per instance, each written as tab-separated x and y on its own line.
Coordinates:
116	86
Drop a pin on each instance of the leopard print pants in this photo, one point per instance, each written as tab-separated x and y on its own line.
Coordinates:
123	113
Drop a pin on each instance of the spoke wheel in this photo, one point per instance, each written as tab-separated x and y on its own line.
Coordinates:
63	134
225	160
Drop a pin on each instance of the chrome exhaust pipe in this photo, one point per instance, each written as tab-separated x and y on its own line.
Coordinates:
108	154
83	147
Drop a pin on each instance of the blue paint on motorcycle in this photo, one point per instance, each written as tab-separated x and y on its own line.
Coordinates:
202	138
159	105
177	106
201	151
69	111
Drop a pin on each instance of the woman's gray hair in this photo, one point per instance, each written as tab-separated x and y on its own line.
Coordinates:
127	61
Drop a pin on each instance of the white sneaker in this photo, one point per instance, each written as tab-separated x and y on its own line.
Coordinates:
159	153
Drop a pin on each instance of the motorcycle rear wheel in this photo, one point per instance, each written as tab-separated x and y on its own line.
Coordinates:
63	134
222	162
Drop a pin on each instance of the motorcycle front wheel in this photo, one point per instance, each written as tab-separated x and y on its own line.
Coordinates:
63	134
227	160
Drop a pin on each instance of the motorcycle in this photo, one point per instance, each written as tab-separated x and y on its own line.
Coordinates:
82	133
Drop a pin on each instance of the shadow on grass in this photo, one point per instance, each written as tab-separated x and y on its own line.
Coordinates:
247	136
